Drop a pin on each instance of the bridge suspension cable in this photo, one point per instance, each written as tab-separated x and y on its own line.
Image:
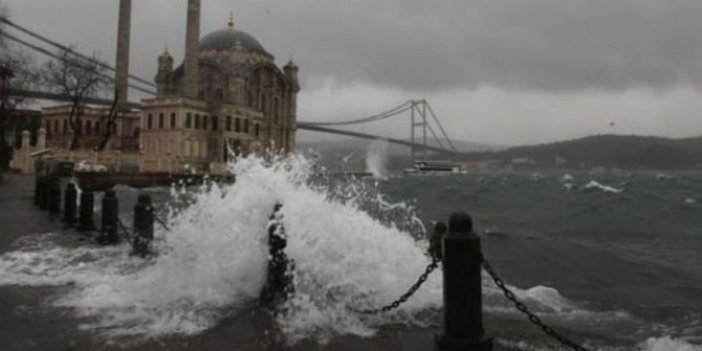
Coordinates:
69	50
51	54
376	117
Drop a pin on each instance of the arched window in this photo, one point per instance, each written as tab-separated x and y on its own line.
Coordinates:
56	126
188	120
160	121
149	121
205	122
215	123
246	126
237	125
197	121
173	119
228	124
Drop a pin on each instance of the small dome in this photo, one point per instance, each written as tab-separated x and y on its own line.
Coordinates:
226	39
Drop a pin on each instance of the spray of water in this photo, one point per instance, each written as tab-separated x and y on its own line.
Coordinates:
353	249
377	159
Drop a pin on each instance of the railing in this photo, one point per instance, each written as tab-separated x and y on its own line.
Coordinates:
460	255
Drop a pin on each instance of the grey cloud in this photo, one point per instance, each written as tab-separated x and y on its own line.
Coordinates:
419	45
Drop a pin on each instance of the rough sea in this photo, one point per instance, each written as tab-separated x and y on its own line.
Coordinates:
611	256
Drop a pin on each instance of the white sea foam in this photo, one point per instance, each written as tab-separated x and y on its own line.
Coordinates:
668	343
567	178
214	260
599	186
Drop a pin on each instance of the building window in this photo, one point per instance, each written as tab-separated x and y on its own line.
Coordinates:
149	121
215	123
237	125
188	120
228	124
65	126
173	120
48	127
160	121
56	126
246	126
88	127
256	130
205	121
97	128
197	121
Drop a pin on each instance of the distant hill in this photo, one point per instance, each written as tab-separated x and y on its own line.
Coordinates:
614	151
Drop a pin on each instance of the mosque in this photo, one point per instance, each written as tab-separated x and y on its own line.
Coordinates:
226	96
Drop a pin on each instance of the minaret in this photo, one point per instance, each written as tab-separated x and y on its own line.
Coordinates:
123	38
192	50
165	68
290	123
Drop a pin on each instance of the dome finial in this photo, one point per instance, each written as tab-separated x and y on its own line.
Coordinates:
230	23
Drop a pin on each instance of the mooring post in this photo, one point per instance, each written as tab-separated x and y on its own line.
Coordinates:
37	191
44	193
69	204
143	226
54	196
463	305
87	200
110	209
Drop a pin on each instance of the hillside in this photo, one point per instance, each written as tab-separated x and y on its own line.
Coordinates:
613	151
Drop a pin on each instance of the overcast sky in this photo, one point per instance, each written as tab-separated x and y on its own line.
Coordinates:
495	71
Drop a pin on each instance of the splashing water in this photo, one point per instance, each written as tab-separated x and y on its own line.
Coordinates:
377	159
213	261
353	248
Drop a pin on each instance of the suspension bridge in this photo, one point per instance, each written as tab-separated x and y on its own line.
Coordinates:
427	134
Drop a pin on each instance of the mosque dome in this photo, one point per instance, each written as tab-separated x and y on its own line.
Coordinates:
228	39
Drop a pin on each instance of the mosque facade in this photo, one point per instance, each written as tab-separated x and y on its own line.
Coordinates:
226	97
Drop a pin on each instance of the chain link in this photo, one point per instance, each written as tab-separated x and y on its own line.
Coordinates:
395	304
162	223
522	308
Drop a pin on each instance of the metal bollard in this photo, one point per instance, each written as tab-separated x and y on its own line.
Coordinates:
37	190
463	304
54	189
69	204
44	193
110	209
87	200
143	226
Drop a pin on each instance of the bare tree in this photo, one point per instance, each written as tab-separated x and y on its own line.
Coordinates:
77	79
109	122
18	73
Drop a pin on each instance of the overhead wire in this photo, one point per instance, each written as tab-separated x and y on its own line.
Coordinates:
70	50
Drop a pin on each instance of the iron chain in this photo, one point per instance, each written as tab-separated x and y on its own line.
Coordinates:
402	299
522	308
